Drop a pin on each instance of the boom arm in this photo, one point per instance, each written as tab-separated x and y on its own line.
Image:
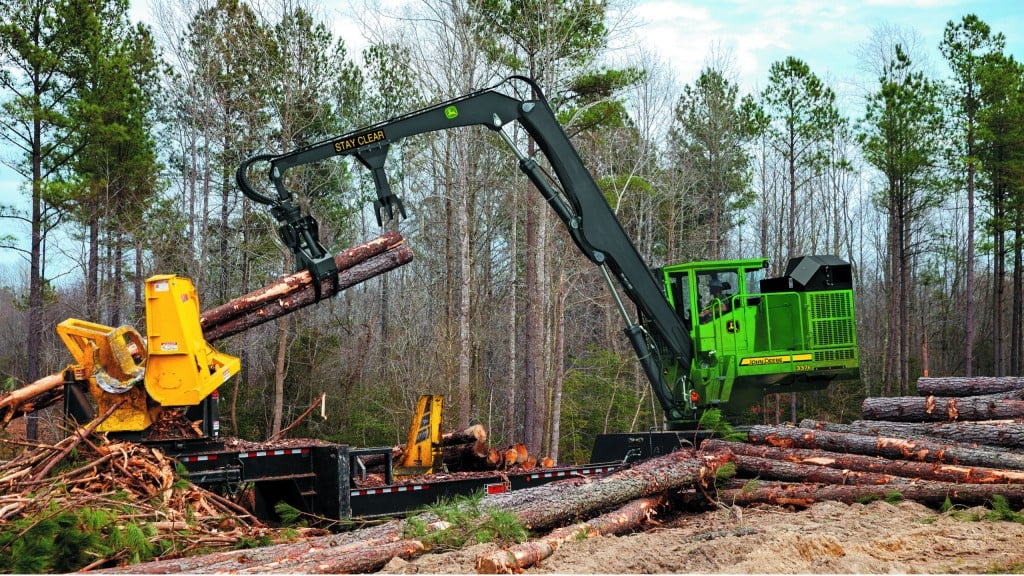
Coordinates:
579	203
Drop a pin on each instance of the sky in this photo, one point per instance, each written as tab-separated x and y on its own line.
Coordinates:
826	34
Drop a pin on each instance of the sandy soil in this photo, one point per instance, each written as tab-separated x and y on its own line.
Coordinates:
828	538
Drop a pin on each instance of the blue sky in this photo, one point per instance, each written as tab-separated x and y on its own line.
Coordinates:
754	33
825	34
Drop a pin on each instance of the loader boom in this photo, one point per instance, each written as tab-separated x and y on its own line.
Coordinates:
572	193
786	334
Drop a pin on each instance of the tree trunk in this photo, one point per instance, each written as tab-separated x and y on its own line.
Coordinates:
801	495
522	556
905	469
897	448
778	469
280	372
379	264
998	433
29	398
936	408
561	502
297	282
976	386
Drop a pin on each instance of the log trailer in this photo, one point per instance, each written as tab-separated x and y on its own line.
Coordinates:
708	335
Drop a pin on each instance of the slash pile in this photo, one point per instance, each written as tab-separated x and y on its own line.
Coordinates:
108	502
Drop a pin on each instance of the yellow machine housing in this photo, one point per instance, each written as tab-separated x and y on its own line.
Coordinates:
423	452
175	363
183	368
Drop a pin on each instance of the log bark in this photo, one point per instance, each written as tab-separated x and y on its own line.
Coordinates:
786	470
293	283
802	495
995	433
268	557
306	295
542	507
474	434
358	560
522	556
470	457
560	502
44	392
941	408
874	464
924	450
973	386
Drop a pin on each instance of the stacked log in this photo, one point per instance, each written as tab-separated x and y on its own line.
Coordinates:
463	452
928	448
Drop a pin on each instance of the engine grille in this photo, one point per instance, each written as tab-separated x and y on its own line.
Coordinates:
831	319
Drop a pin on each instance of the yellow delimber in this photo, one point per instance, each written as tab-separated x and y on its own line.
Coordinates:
183	368
175	363
423	451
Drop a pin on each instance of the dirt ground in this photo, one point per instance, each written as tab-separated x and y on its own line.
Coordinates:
827	538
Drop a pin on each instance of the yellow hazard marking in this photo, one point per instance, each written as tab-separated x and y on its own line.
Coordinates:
358	141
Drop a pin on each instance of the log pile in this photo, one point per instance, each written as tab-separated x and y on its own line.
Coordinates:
465	453
961	447
780	465
290	293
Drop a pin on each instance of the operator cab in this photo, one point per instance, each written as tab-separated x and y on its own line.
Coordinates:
713	289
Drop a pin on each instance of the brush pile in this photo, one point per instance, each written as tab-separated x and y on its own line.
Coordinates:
87	502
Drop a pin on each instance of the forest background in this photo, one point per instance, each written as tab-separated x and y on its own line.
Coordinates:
126	137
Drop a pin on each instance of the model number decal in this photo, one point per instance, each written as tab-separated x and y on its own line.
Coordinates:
359	140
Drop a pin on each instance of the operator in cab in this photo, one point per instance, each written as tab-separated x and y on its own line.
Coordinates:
718	304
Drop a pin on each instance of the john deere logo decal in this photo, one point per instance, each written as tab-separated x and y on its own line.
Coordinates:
451	112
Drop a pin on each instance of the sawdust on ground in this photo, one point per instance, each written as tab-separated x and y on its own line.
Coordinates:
827	538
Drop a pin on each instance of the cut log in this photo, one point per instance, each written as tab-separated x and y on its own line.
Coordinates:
44	392
973	386
875	464
358	560
565	501
924	450
996	433
778	469
293	283
802	495
474	434
306	295
538	508
522	556
466	457
940	408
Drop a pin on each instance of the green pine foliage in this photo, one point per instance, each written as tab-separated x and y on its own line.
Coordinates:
468	524
600	397
1001	511
60	541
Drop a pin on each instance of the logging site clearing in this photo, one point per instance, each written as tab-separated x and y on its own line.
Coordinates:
826	538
